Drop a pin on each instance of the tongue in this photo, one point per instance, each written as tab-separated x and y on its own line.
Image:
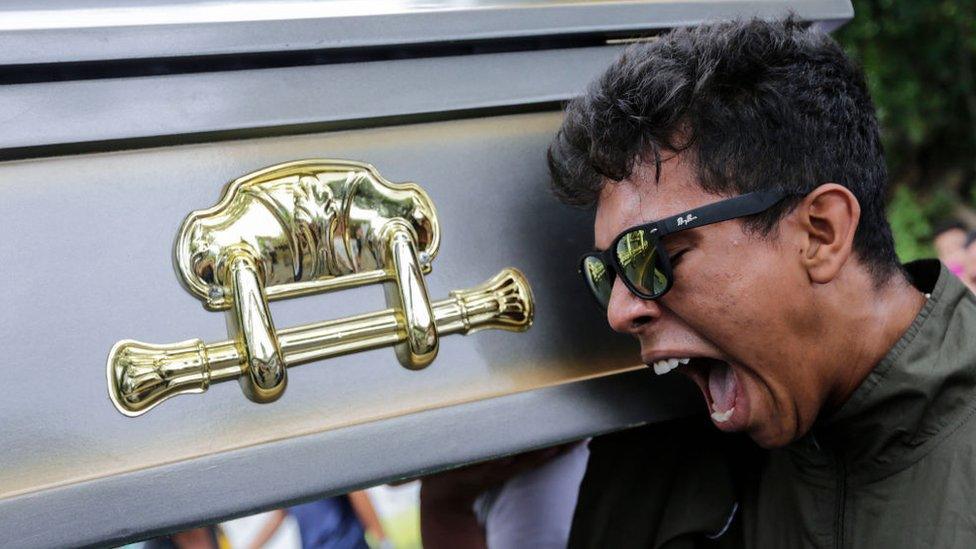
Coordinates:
721	387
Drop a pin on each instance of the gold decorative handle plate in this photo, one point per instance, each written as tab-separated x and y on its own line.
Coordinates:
299	228
311	226
141	375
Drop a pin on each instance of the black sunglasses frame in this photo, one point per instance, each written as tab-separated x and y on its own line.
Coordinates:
716	212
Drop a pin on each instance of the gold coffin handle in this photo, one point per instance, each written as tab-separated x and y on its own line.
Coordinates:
249	321
142	375
408	294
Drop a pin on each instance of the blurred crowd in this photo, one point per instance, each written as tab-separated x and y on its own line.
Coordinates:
357	520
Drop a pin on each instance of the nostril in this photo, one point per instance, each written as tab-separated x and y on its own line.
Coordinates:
641	321
628	321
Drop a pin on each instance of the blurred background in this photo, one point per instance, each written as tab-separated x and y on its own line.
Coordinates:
920	60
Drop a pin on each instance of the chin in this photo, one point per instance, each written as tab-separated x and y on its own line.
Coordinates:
771	440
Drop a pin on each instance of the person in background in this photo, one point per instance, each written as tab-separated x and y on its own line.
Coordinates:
205	537
534	508
525	500
341	522
949	239
968	255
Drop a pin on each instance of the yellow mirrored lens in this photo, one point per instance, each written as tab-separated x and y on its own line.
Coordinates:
599	279
632	247
637	256
597	270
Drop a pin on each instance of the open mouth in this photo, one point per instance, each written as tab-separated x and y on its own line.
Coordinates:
719	385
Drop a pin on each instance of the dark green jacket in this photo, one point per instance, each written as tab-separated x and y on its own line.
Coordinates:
894	467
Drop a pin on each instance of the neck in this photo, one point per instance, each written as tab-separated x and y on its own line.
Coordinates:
864	330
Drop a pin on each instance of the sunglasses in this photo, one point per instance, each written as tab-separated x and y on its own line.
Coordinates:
639	258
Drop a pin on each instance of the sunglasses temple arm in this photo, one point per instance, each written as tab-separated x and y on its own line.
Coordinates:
739	206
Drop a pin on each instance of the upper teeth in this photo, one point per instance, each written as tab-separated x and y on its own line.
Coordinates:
664	366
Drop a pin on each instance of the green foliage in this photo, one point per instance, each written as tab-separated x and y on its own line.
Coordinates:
913	215
919	57
910	225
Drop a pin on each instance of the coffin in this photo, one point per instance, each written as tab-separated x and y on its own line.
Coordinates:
193	194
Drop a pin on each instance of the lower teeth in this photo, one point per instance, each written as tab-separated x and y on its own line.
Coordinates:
722	417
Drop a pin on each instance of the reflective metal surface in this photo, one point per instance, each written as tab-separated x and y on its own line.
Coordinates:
72	14
263	377
128	29
299	228
407	294
348	421
141	375
310	225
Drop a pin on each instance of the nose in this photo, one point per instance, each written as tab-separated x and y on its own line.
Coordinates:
628	313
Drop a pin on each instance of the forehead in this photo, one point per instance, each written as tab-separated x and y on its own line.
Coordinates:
640	199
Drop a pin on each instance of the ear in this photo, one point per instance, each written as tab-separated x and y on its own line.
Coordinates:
828	217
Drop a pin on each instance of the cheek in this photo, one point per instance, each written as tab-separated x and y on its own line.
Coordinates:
740	299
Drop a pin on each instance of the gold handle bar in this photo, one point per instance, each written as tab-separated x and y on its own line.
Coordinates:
141	375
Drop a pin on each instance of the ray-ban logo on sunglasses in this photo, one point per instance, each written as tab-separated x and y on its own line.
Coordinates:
686	219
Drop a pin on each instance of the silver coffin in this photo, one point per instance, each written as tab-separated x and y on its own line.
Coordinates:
119	118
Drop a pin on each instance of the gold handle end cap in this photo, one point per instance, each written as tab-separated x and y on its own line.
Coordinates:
141	375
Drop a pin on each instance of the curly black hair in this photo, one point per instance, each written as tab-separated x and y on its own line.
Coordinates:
760	105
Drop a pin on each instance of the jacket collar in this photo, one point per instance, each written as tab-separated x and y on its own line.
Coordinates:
921	390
